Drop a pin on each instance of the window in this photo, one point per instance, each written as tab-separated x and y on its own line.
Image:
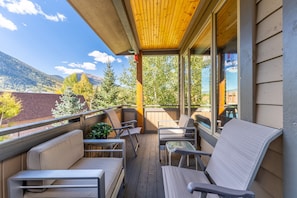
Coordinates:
214	69
201	79
226	63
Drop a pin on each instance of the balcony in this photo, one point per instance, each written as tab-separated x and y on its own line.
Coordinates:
143	176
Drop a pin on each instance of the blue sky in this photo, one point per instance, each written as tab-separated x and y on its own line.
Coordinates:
51	37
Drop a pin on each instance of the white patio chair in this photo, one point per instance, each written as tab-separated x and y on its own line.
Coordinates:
182	130
232	167
124	129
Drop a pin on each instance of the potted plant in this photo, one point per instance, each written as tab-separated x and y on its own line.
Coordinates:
100	130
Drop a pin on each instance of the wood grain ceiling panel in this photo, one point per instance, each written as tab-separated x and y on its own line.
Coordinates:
226	20
161	24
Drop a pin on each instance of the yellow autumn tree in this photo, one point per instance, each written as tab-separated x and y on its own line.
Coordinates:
10	106
84	87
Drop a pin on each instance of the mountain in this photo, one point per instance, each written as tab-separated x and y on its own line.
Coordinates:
16	75
94	80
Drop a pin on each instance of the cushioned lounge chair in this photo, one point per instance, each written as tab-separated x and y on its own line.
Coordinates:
232	167
182	130
124	129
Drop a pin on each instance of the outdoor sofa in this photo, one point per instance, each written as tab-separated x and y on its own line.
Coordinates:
59	168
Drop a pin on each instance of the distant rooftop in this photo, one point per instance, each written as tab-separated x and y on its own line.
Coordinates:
36	106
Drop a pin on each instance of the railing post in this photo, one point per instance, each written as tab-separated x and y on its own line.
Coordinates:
139	90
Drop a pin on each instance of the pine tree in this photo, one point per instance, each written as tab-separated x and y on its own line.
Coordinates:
70	104
95	104
10	106
108	90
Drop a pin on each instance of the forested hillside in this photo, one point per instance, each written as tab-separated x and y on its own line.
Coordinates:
16	75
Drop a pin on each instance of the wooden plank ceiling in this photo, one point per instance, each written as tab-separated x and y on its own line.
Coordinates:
162	24
151	24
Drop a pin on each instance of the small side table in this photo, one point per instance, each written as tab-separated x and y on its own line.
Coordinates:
171	146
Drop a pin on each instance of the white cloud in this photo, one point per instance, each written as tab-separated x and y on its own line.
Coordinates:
28	7
89	66
102	57
67	70
56	18
85	65
119	60
2	3
6	23
22	7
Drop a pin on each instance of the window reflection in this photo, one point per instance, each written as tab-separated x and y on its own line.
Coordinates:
202	77
226	63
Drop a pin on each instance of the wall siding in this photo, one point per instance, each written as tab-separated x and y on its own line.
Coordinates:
270	26
266	7
270	71
269	93
269	48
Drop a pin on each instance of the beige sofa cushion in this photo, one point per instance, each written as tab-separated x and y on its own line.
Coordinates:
111	166
59	153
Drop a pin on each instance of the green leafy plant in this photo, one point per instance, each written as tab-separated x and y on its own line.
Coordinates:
100	130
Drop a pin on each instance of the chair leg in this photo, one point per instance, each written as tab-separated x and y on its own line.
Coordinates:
136	137
159	153
134	148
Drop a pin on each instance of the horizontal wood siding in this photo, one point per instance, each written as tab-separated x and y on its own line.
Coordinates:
266	7
270	71
270	48
269	93
153	115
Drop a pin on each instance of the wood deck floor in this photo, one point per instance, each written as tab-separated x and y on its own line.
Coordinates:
144	175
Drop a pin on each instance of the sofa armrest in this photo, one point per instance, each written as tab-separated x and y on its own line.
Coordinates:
15	183
219	190
113	147
111	143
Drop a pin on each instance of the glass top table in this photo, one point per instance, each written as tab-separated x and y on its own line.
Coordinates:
171	147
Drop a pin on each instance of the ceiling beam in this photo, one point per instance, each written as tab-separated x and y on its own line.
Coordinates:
121	10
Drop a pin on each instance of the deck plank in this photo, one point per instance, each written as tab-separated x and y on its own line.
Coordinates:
144	174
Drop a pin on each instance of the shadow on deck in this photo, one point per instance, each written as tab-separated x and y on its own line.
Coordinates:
144	174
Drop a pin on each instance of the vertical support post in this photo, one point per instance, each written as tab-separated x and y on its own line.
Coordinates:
189	83
139	91
181	84
246	12
289	98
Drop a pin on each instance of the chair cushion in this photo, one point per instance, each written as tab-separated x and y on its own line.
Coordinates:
111	166
176	180
44	156
183	120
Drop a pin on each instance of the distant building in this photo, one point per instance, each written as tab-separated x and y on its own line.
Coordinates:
35	107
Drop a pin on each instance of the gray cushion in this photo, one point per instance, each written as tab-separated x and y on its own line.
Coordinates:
176	181
44	156
111	166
